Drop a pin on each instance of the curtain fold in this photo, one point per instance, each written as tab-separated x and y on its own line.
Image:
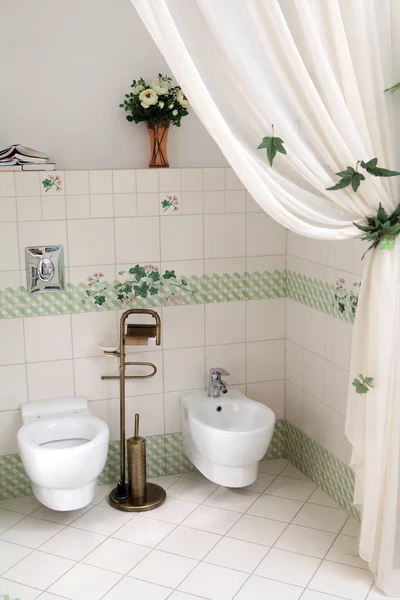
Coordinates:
316	69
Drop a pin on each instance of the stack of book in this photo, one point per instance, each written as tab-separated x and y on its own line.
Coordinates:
21	158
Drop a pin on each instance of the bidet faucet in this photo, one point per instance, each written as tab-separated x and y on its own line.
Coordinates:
215	384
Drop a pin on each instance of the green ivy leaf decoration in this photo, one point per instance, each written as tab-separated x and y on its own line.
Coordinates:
394	88
372	168
272	145
348	177
138	272
362	384
169	275
382	229
99	300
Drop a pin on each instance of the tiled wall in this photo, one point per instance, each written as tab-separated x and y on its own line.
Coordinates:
224	307
318	332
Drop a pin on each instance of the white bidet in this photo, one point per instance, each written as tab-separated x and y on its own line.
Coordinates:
225	437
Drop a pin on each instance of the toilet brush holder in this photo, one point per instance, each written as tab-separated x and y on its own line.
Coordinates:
142	495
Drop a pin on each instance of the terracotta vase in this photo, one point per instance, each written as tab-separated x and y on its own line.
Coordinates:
158	136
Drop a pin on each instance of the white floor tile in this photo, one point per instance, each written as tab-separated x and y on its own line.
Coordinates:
191	490
73	543
116	555
321	497
292	471
64	517
39	569
274	466
8	519
146	532
189	542
375	594
163	568
84	582
102	520
213	583
183	596
10	554
261	483
24	504
311	595
47	596
342	580
305	541
272	507
196	475
102	492
321	517
11	589
258	588
236	554
129	588
31	532
288	567
171	511
231	499
214	520
294	489
165	481
351	528
345	550
257	530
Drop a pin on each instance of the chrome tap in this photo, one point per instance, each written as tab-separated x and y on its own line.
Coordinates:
215	384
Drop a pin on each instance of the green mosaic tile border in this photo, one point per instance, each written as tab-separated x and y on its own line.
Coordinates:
327	471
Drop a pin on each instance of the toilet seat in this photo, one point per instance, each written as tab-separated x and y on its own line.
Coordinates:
63	449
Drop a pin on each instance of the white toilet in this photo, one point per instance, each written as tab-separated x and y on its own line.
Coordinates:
63	449
225	437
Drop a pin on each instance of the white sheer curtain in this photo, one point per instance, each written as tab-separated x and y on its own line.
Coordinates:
317	70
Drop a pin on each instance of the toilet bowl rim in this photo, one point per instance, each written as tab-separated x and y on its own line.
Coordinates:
102	433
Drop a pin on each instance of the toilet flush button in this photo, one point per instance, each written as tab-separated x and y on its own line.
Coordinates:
45	269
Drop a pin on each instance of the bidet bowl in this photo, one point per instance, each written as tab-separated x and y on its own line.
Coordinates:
226	437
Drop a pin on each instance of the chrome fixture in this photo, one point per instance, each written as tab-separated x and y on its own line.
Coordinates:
215	384
44	269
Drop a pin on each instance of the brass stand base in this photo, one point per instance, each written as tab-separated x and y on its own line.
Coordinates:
155	495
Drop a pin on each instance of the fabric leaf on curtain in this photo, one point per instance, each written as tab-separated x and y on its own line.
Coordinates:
316	69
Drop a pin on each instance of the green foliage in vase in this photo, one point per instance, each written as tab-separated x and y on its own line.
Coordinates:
272	145
157	102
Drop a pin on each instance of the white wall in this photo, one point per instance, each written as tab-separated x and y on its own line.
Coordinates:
68	65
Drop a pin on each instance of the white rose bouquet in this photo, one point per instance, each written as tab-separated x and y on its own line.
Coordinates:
159	102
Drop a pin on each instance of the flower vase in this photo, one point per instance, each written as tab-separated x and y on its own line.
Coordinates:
158	136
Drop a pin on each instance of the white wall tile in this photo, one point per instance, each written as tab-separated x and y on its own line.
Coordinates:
294	363
265	319
108	411
336	387
251	205
192	203
8	209
101	205
137	240
12	347
214	179
231	357
265	360
232	181
313	418
29	208
58	187
27	184
182	238
7	187
100	182
296	244
151	411
183	326
264	236
295	320
9	260
147	204
340	254
214	202
147	180
91	242
314	330
335	440
270	393
170	179
53	208
316	251
221	266
76	182
10	422
172	412
313	374
125	205
12	386
224	236
139	387
338	342
41	233
124	181
184	369
50	379
78	207
89	329
88	382
265	263
225	323
294	404
192	180
48	338
235	201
